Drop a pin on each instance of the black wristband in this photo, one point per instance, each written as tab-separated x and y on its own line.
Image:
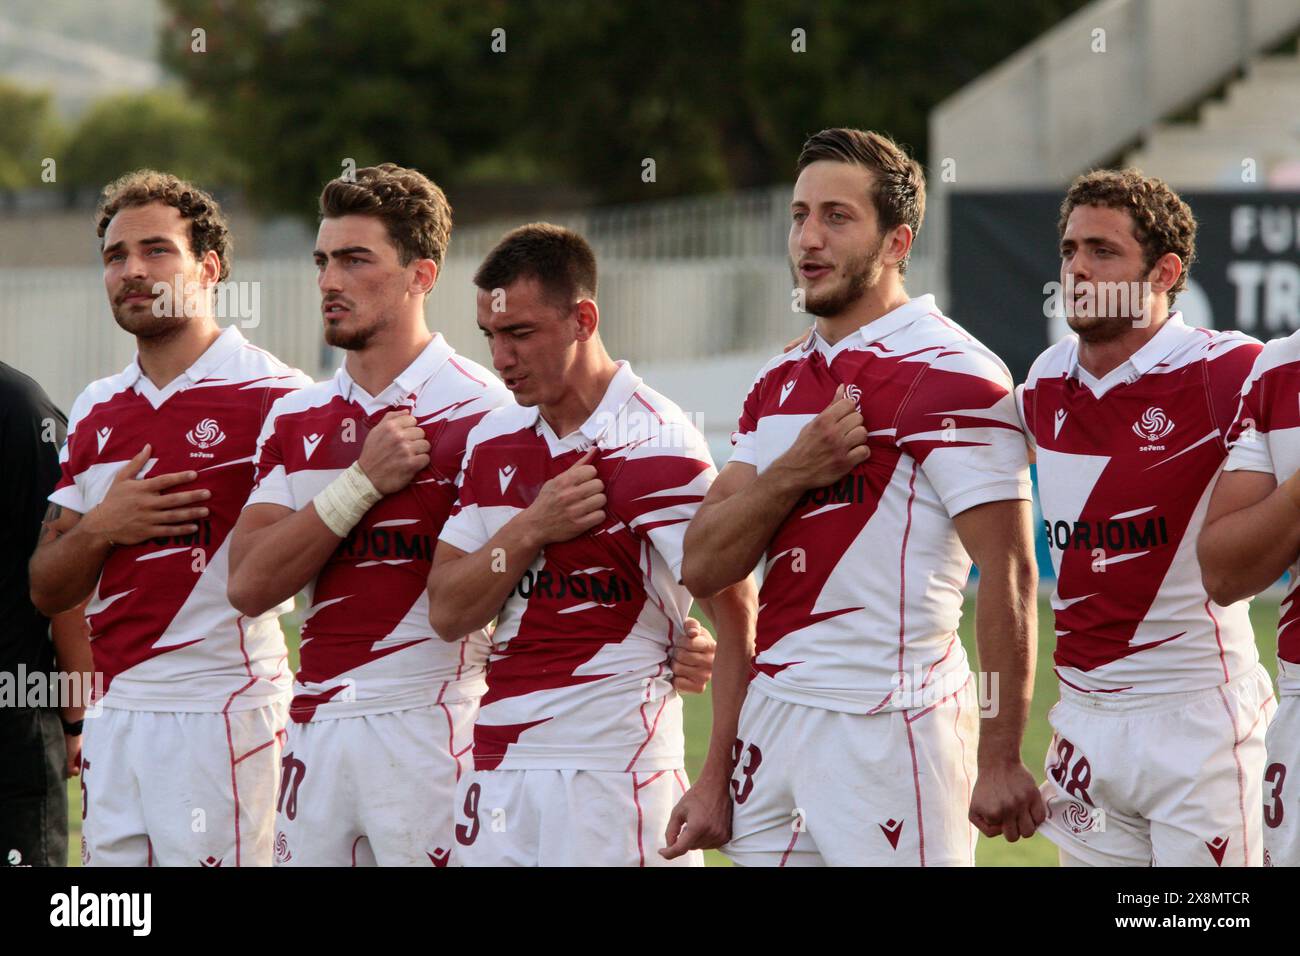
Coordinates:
73	729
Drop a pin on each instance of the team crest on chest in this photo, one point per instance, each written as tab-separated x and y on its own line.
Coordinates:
206	434
855	393
1153	426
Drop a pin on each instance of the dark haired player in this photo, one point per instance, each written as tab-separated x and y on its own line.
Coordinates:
871	466
1158	752
568	530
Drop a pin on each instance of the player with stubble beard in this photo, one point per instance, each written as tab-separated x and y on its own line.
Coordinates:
355	476
870	465
181	766
1157	756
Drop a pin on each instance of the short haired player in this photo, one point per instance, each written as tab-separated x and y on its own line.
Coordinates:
1157	756
568	530
870	466
181	766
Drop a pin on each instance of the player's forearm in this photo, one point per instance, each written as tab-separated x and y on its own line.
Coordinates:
1244	552
734	614
64	571
466	593
270	565
1006	631
72	655
726	539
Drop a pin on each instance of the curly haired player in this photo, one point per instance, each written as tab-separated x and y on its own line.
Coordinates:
1158	751
181	766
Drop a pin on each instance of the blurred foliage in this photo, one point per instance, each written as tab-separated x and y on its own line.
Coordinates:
163	129
28	134
584	91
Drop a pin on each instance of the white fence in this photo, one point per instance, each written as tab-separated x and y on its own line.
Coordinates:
680	282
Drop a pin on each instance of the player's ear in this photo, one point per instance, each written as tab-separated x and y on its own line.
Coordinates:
1165	272
210	269
588	317
423	277
897	244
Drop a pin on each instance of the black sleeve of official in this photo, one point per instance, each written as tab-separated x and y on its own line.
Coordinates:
32	430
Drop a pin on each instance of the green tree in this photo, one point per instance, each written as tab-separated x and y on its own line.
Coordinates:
302	87
716	92
27	135
162	129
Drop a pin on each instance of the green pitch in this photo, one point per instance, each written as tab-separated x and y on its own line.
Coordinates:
1035	851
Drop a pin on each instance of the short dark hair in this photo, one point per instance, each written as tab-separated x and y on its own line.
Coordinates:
1162	222
559	259
409	204
208	229
899	190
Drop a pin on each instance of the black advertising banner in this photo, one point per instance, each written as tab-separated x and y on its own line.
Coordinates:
1003	264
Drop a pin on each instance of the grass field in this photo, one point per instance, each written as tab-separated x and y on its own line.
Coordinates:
1035	851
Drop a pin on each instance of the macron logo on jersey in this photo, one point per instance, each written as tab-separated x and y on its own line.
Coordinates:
309	443
102	437
892	829
1060	420
506	475
1217	847
786	389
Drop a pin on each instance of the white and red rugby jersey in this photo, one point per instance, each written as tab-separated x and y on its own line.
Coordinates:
1266	437
367	647
862	584
1126	465
579	675
164	634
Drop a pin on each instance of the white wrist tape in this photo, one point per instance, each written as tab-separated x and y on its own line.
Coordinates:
345	500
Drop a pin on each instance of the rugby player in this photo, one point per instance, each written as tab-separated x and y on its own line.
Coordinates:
871	465
181	766
1157	756
568	530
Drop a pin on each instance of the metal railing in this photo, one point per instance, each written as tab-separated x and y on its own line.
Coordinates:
680	282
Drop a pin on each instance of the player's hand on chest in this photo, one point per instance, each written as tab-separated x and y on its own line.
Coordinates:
395	450
567	497
876	389
192	432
